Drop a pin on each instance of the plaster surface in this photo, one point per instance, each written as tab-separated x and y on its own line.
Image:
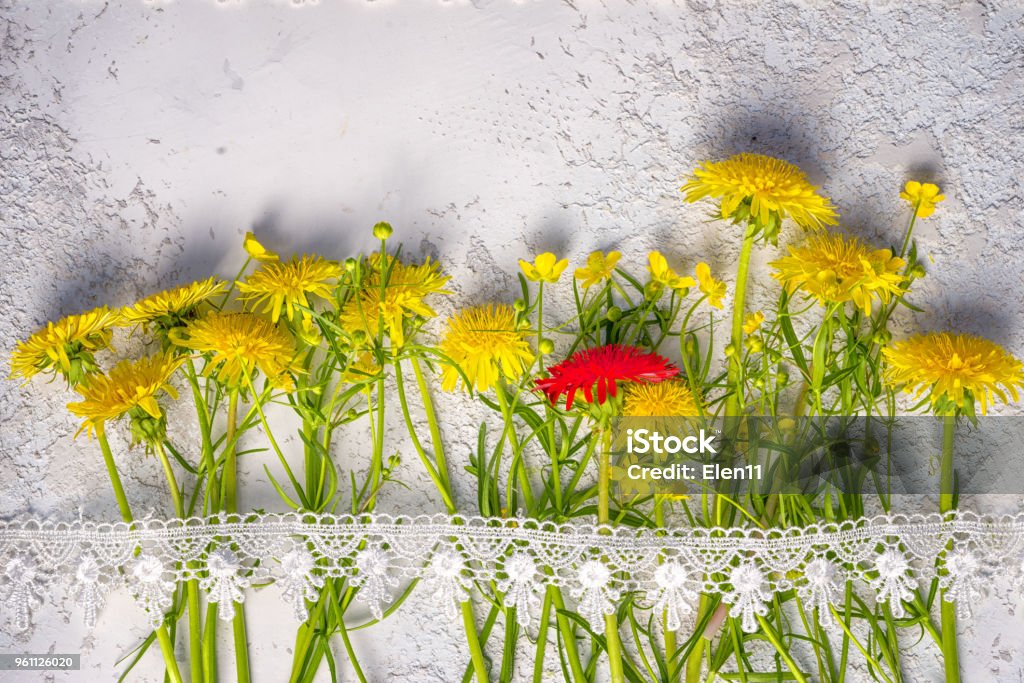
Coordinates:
140	140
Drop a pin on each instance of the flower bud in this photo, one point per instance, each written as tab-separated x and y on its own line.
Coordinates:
653	290
759	383
519	305
614	314
754	344
350	264
546	347
782	379
882	337
730	351
918	271
382	230
359	337
146	429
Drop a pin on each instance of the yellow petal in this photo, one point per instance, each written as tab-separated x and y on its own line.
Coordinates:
703	272
257	250
529	270
559	269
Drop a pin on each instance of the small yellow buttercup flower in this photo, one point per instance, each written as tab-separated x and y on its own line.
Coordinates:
662	275
753	322
955	369
545	268
286	286
130	385
762	189
257	250
922	196
486	343
664	399
239	344
403	297
599	267
714	289
66	346
835	269
173	307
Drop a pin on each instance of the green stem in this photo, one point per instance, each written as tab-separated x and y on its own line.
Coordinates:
115	478
377	462
476	653
542	638
195	633
910	230
946	471
670	635
166	646
773	638
172	482
517	453
210	644
435	430
948	609
734	402
241	645
565	626
343	630
230	461
437	475
694	661
611	622
230	506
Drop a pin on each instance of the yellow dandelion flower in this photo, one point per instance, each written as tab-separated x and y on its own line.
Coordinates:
66	346
545	268
922	196
753	322
763	189
239	344
402	297
170	308
485	342
714	289
664	399
129	385
257	250
663	275
599	267
282	286
835	269
955	368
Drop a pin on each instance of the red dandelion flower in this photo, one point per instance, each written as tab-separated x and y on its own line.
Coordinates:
603	366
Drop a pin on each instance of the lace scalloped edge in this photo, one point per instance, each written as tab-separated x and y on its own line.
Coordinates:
888	557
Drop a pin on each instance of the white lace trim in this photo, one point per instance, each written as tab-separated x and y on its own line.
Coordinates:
596	565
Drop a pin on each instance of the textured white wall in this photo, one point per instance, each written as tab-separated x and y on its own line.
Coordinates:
138	141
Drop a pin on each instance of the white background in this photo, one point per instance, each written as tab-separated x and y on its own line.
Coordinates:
139	141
